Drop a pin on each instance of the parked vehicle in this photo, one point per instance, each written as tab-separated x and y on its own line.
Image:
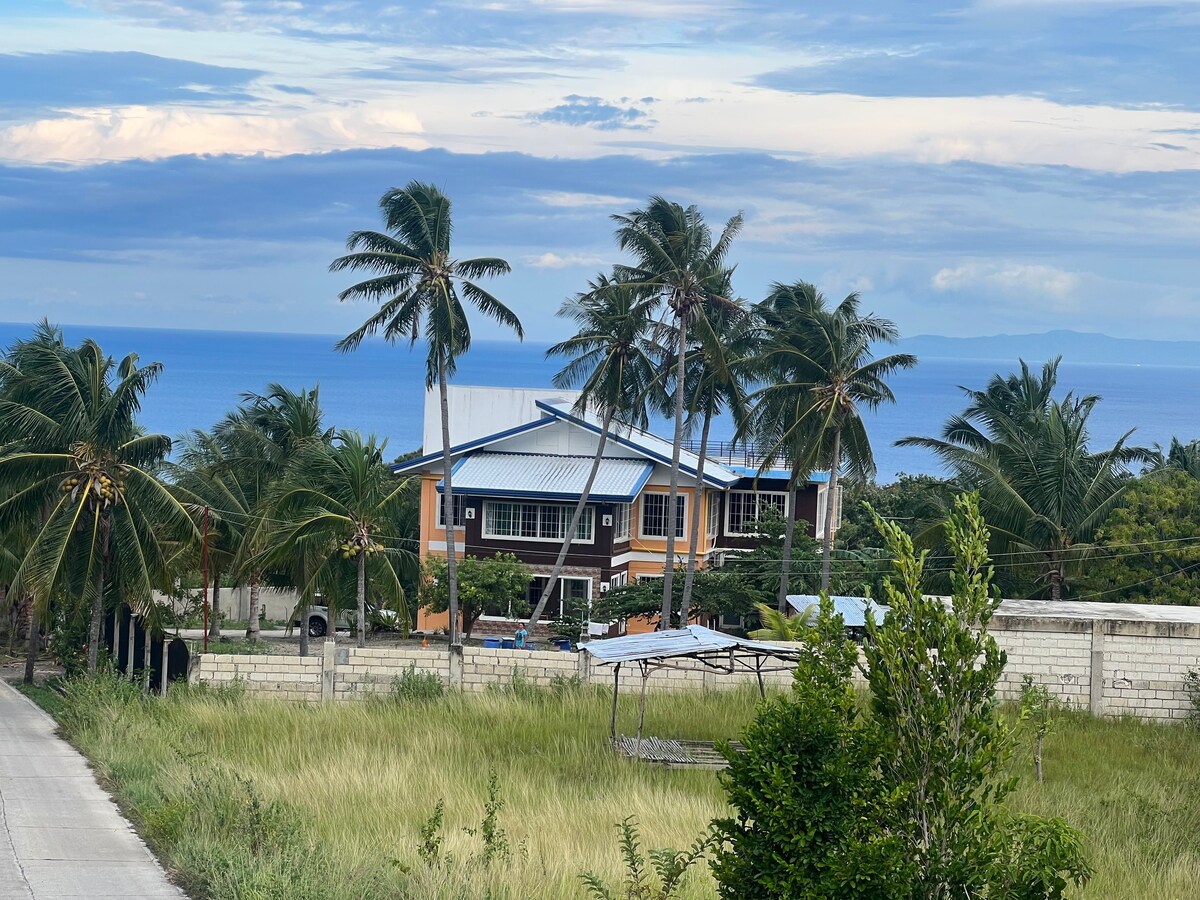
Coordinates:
378	620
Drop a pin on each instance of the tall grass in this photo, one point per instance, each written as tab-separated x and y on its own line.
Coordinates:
252	798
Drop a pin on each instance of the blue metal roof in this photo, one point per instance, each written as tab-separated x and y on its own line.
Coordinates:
752	472
695	640
549	476
853	610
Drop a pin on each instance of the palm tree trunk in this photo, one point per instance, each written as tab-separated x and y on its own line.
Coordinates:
252	625
129	643
448	494
304	605
362	597
32	645
576	518
789	537
686	603
97	623
214	621
830	503
146	662
673	493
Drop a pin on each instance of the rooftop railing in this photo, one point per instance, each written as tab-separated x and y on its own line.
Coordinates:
728	453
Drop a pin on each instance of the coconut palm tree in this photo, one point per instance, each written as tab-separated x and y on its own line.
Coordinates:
1044	492
338	505
420	288
674	255
263	441
613	362
1179	456
822	371
108	520
722	360
778	626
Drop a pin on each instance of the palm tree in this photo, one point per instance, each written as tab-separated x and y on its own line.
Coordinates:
717	372
418	286
338	505
108	520
613	363
675	255
263	441
824	373
778	626
1180	457
1045	494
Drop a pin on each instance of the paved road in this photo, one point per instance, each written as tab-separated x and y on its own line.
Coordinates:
61	836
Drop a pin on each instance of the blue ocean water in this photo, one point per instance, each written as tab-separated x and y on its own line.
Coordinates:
380	388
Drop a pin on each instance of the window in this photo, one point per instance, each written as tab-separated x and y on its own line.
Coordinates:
576	592
822	506
654	515
714	509
534	521
619	580
460	515
744	508
621	522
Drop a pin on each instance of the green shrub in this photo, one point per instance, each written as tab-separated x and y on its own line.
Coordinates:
417	687
1191	687
655	878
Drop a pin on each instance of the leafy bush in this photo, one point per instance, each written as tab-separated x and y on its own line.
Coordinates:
669	868
417	687
908	800
1191	687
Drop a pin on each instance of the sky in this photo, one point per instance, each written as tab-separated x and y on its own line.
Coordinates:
971	167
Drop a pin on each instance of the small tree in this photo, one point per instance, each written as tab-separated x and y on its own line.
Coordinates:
1036	706
905	801
497	586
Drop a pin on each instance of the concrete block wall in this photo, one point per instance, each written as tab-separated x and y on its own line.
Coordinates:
1109	666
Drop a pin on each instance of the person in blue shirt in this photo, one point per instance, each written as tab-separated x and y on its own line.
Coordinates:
520	636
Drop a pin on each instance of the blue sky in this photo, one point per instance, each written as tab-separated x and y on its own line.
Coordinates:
973	167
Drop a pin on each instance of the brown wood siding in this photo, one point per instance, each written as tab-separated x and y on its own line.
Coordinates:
542	554
805	508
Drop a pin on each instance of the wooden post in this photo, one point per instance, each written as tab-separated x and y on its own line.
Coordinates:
642	709
762	691
612	729
162	671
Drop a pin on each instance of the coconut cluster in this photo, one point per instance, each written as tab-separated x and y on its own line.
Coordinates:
351	549
97	485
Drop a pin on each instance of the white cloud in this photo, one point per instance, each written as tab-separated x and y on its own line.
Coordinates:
552	260
90	135
1009	278
576	199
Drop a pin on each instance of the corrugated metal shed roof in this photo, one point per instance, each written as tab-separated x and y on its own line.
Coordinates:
548	476
853	610
695	640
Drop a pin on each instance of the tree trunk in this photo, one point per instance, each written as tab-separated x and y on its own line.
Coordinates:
686	603
576	518
362	597
789	538
214	617
33	642
830	503
448	493
129	643
673	493
304	605
146	662
97	623
1056	582
252	625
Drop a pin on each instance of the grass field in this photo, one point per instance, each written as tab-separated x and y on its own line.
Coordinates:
260	799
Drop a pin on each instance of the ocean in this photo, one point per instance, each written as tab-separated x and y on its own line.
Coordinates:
379	389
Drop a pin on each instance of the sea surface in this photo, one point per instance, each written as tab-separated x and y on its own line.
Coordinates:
380	388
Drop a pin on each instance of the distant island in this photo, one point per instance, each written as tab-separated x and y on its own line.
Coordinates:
1072	346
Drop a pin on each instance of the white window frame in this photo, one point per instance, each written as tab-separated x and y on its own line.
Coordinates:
619	580
588	521
713	523
787	509
822	506
681	512
460	501
622	513
550	613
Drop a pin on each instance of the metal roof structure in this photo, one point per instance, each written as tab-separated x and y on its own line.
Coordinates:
549	476
643	442
713	648
853	610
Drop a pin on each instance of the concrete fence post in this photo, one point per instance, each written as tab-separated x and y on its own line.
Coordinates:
584	663
328	669
456	665
1096	675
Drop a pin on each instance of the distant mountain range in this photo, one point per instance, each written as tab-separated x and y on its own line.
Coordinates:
1072	346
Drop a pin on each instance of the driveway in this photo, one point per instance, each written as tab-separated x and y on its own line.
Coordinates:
61	836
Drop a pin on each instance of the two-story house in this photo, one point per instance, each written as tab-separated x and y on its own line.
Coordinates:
521	458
